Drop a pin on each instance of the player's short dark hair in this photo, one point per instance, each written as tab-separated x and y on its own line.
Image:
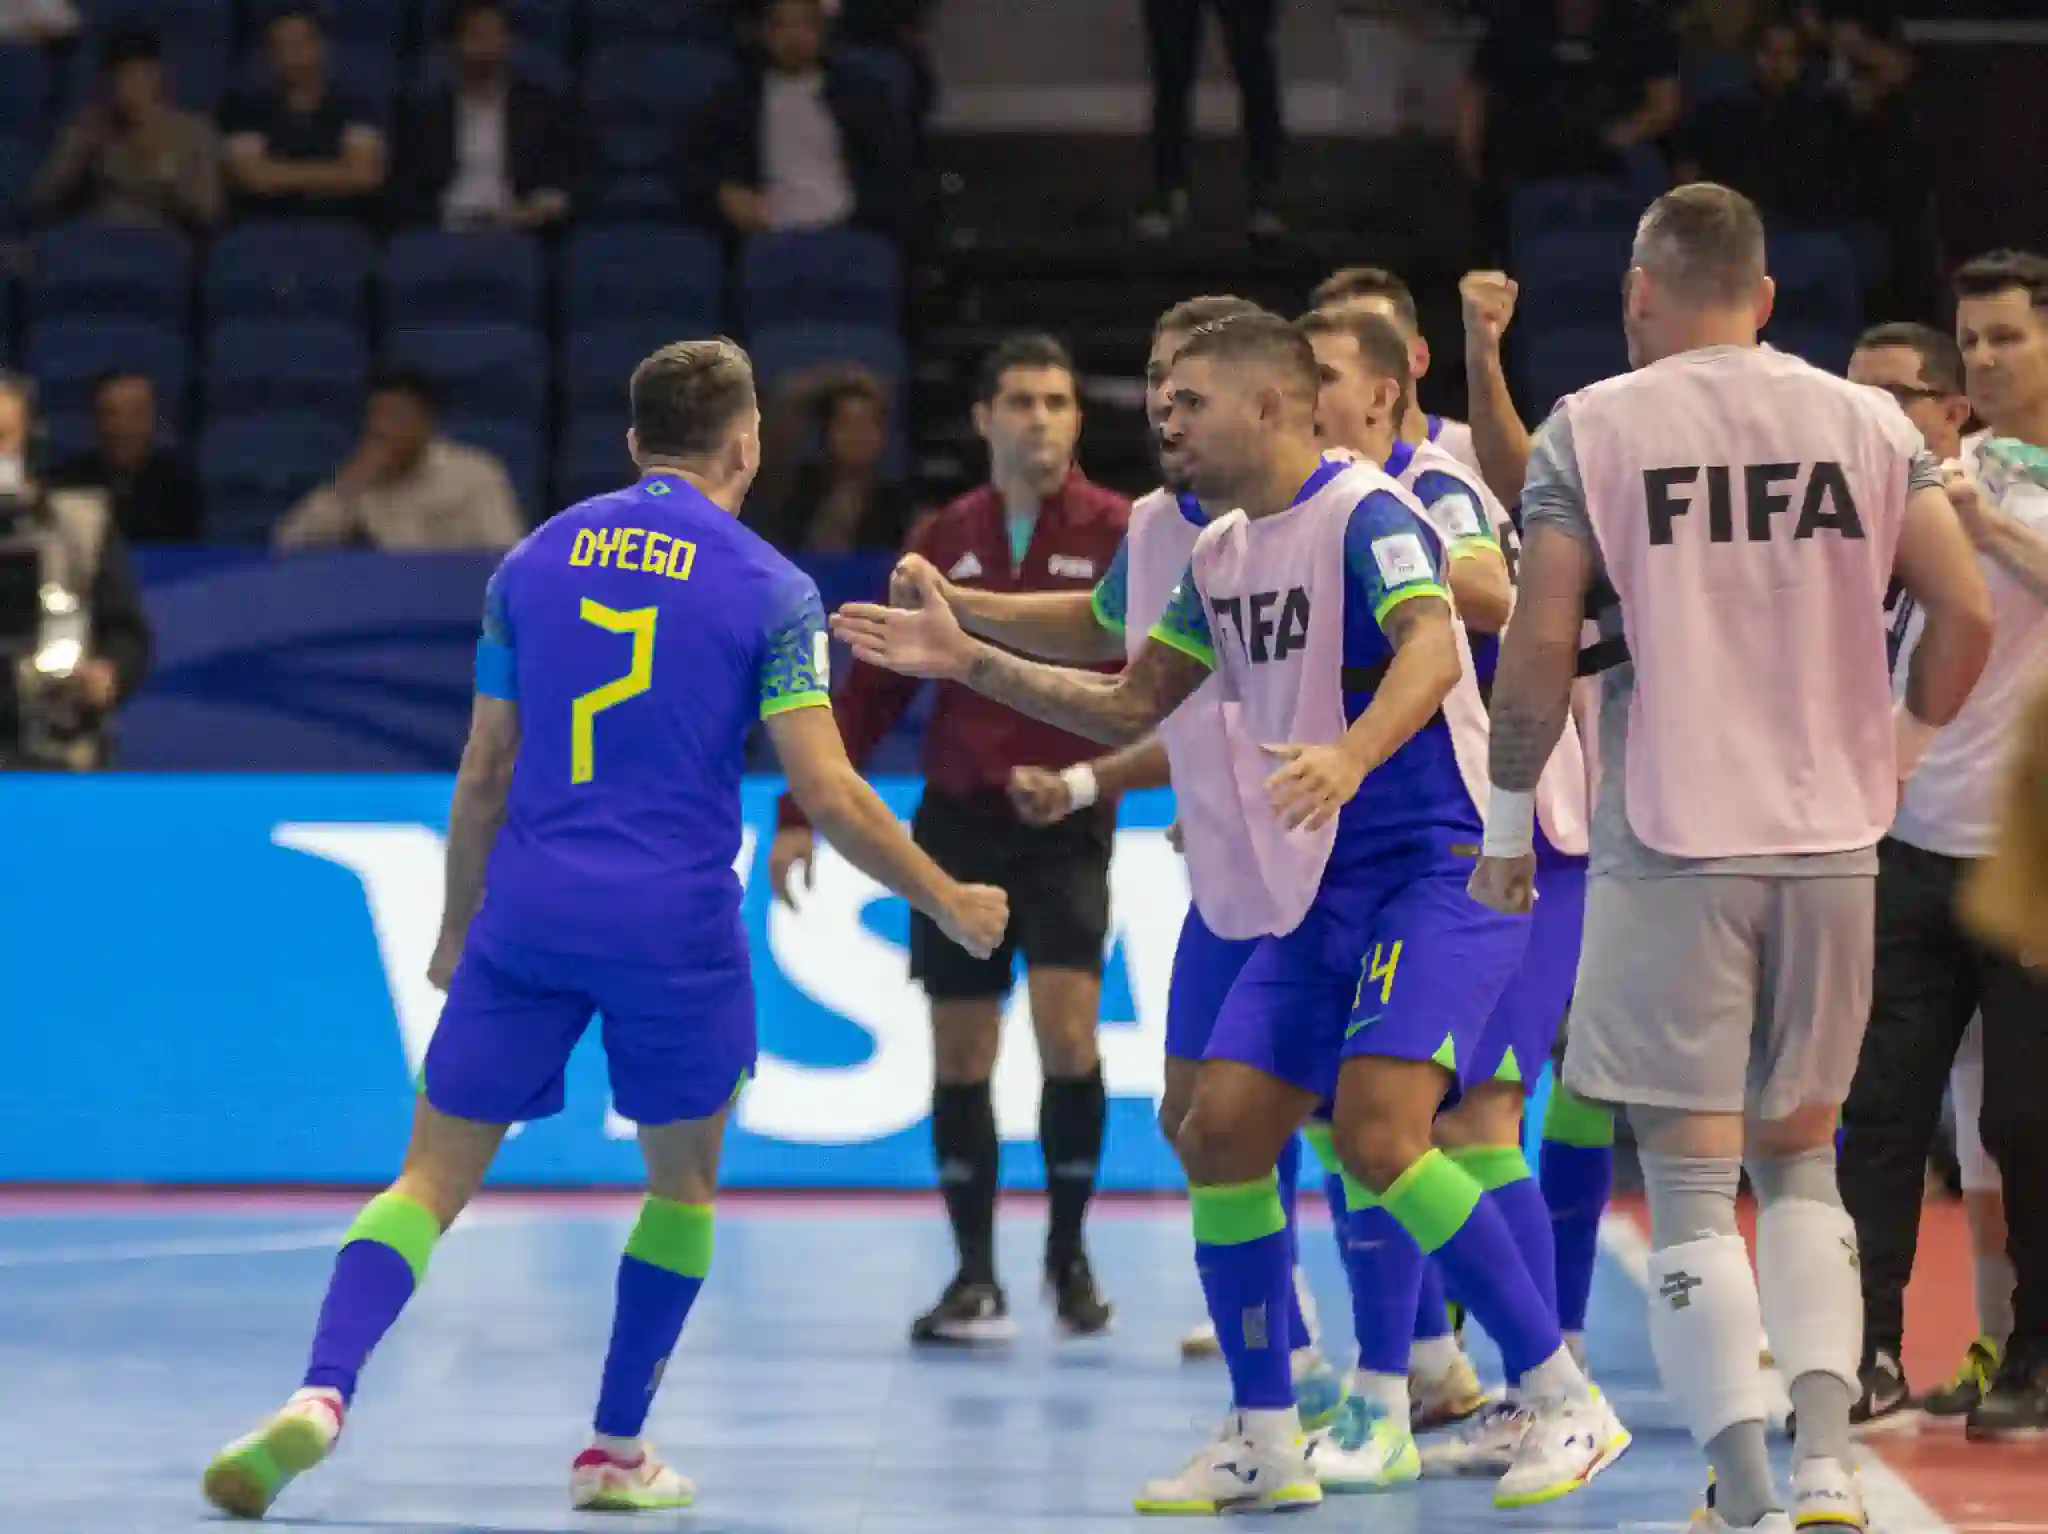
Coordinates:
1190	314
1030	349
130	45
687	395
1941	360
410	382
1350	284
1705	241
1264	340
311	14
106	380
1381	346
2000	271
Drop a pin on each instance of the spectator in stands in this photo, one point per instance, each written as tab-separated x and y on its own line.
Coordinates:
39	22
1786	143
489	150
1173	37
154	491
835	500
1567	89
83	658
130	156
798	141
299	149
407	487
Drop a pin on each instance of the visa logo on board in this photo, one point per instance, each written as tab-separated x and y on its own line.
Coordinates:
827	952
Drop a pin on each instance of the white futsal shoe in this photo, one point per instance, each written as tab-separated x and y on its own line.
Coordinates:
1566	1444
602	1481
1257	1463
1364	1450
1825	1495
1484	1446
246	1476
1451	1396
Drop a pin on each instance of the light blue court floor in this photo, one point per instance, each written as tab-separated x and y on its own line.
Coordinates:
136	1337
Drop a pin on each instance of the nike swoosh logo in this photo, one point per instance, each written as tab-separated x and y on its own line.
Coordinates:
1363	1022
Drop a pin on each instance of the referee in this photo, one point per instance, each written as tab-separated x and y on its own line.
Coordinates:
1038	525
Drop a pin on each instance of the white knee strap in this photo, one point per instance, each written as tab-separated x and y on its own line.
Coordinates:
1704	1324
1812	1293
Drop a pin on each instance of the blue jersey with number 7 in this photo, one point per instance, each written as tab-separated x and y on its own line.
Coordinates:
641	635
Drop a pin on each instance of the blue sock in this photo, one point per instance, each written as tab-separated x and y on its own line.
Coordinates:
1289	1173
1577	1171
1385	1267
1241	1252
381	1262
1432	1309
1440	1204
1503	1173
666	1259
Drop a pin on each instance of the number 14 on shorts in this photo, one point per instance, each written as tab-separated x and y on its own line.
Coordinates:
1378	970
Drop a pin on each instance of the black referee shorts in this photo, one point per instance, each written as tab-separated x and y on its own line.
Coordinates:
1057	878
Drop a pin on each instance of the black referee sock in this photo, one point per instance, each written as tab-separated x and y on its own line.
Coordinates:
1070	1115
964	1136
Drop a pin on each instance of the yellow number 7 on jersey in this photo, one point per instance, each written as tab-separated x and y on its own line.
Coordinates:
583	711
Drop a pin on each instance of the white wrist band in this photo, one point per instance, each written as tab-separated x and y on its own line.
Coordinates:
1911	736
1081	785
1510	824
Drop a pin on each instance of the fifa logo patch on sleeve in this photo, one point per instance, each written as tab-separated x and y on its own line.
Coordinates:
1401	559
1460	517
821	657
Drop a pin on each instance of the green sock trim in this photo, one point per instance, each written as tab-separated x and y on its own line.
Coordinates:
1238	1213
1571	1120
1324	1144
408	1228
1432	1200
673	1236
1492	1166
1358	1196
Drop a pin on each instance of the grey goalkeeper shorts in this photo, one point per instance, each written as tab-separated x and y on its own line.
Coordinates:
1721	993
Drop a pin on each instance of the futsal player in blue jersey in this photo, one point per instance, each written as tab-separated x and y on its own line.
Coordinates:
629	646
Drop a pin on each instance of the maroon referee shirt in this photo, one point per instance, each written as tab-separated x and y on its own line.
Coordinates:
972	743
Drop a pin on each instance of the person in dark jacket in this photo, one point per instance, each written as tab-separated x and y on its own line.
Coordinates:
489	150
798	141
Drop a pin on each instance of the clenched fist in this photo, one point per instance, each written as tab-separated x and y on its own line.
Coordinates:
1488	299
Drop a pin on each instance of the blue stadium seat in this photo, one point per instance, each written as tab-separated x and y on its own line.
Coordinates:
628	196
1826	348
820	277
286	270
198	45
66	357
493	371
636	22
592	458
638	94
359	72
1558	362
671	278
288	367
111	272
24	92
256	468
1580	202
790	348
1817	280
19	160
514	444
436	278
366	23
1572	277
596	363
887	67
537	66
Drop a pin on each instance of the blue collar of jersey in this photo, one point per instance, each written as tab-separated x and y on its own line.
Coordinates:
1399	459
1191	508
1330	469
1436	426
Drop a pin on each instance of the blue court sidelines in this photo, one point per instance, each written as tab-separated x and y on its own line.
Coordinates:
137	1336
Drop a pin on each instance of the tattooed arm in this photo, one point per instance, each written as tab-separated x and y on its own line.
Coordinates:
1539	656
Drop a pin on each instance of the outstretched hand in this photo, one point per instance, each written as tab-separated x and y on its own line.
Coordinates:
924	641
1315	783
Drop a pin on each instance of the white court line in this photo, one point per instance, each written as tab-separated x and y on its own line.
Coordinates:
1894	1507
145	1251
